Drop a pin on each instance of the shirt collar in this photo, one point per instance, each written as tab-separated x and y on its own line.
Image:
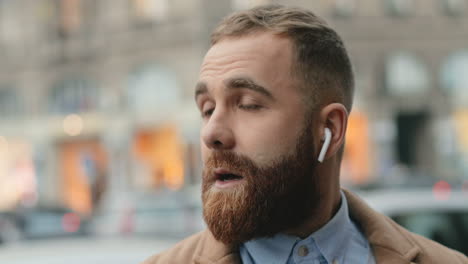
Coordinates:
274	250
330	240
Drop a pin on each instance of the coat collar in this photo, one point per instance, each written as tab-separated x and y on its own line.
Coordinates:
389	242
215	252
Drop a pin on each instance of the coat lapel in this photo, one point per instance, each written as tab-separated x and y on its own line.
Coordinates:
215	252
388	241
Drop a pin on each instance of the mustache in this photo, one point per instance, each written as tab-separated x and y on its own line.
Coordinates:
231	161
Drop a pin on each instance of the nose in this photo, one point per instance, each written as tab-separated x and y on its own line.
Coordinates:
216	134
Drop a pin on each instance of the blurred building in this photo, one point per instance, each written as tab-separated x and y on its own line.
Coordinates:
411	60
96	96
98	92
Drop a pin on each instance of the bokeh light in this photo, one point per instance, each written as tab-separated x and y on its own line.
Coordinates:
441	190
73	125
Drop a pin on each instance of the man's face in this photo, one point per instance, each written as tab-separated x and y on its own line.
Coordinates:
257	146
247	98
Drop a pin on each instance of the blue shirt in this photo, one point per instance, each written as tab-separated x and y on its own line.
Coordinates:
339	241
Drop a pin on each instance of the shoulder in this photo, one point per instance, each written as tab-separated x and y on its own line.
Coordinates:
389	240
183	252
428	251
433	252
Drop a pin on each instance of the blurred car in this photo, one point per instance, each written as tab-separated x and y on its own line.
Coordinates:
440	214
166	214
52	222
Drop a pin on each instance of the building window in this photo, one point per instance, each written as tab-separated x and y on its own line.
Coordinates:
454	7
150	10
70	16
400	8
454	77
344	8
245	4
152	88
9	103
405	75
73	96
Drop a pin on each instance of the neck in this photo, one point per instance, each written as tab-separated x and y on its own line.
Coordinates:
329	205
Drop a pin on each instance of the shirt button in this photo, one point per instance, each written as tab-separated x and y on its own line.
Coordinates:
303	251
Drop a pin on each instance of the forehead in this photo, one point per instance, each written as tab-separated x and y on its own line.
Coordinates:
264	43
265	55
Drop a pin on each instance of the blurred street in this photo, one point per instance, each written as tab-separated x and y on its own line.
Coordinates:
83	250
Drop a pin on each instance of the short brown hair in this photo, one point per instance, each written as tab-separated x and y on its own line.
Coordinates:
321	58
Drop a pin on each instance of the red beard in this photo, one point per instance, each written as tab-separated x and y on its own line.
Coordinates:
269	200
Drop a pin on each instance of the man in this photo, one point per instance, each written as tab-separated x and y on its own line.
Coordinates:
274	92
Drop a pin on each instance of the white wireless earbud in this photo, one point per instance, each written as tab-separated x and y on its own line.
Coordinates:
325	145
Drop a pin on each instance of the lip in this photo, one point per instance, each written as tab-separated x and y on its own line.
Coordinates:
223	171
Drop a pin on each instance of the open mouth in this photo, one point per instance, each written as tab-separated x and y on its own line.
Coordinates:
225	178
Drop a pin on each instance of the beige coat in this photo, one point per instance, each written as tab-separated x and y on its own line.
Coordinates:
391	244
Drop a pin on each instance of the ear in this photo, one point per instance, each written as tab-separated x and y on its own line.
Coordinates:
335	117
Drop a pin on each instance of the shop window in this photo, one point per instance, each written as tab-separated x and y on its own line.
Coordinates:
454	78
73	96
83	173
405	75
160	156
356	165
344	8
152	88
193	163
412	141
245	4
460	118
17	174
400	8
454	81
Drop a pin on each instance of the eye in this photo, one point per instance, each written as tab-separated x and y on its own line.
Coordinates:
207	113
249	103
250	107
206	108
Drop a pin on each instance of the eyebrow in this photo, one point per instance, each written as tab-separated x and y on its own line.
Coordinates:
247	83
200	89
235	83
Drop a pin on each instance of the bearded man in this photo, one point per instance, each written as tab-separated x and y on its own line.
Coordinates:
274	92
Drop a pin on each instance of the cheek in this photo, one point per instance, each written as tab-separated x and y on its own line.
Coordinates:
268	141
264	152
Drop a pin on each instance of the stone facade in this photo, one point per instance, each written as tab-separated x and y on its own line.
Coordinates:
46	43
